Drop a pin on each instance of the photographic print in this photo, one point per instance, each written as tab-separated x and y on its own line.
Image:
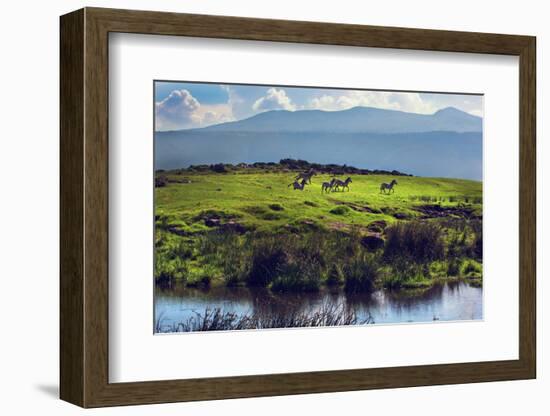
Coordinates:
290	207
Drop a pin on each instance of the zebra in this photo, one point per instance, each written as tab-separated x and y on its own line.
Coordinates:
298	185
306	176
388	187
344	184
327	186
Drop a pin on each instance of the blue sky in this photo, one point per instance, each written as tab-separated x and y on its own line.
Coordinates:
184	105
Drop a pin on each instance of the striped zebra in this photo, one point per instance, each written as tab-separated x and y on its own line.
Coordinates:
342	184
388	187
327	186
305	176
298	185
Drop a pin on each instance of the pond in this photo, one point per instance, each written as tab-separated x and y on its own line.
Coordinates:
452	301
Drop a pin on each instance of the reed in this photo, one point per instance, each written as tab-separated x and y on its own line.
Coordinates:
216	319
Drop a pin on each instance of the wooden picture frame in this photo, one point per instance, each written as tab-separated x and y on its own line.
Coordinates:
84	207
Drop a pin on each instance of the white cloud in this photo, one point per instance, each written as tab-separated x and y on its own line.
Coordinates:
410	102
240	107
176	111
325	102
215	114
180	110
275	99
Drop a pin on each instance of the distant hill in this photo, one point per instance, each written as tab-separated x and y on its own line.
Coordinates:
447	143
354	120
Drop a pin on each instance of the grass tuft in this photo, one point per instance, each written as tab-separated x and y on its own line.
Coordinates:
276	207
340	210
416	241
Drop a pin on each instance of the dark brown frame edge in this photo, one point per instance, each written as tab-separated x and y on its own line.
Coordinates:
84	207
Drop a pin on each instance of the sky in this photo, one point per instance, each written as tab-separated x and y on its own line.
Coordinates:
185	105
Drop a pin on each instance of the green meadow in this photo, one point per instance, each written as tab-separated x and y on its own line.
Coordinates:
247	227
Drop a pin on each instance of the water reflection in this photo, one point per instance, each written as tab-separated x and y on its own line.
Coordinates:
448	301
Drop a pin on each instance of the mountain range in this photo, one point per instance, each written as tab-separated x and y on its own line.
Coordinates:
353	120
447	143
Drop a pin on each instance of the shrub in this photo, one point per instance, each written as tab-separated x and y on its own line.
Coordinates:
205	281
453	269
438	268
340	210
465	238
471	269
456	246
477	246
168	270
202	276
392	282
229	252
235	265
361	274
290	262
268	257
336	276
372	242
298	277
181	249
405	273
419	242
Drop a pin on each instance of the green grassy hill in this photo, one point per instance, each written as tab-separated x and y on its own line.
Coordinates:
205	218
263	200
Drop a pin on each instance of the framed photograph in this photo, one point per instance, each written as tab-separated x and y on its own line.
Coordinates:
260	207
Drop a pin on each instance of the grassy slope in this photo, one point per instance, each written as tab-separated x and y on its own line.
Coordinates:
247	197
260	201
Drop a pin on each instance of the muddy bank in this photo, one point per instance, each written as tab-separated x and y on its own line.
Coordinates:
438	211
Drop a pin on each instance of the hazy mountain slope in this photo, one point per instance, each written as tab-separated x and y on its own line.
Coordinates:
354	120
447	143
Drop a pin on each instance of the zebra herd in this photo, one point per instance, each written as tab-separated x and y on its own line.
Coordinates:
335	185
